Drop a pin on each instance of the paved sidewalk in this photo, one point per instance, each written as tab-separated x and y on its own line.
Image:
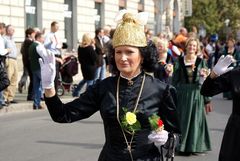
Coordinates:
21	98
23	105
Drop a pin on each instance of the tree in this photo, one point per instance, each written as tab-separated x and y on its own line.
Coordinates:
212	14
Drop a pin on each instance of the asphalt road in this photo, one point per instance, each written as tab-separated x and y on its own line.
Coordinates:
33	136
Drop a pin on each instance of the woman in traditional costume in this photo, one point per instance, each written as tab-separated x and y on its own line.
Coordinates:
165	61
189	73
125	101
220	80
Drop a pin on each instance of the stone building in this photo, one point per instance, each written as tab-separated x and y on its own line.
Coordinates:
79	16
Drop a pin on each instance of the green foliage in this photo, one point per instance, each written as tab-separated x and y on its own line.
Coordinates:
212	15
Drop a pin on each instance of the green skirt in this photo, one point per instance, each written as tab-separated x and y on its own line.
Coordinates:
195	135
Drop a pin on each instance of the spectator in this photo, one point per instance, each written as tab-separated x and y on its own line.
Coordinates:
180	39
36	51
211	49
4	81
53	44
3	52
87	58
29	38
149	35
101	62
11	65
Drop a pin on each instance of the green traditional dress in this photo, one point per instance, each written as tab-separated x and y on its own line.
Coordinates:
190	106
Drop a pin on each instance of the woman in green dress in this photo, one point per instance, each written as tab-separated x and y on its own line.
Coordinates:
189	73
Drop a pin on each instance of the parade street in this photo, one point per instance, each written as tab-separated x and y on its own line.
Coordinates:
33	136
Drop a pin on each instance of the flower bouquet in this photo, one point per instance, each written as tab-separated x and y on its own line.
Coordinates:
158	135
203	74
156	123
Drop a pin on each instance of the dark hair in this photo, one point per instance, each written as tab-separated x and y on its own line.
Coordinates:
97	31
64	45
54	23
29	31
149	54
2	25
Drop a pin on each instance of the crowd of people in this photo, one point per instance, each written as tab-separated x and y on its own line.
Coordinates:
126	67
35	44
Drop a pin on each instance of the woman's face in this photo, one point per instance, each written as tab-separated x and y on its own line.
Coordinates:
230	44
160	47
128	60
192	47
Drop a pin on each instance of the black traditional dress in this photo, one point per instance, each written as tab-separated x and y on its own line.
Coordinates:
156	97
230	81
160	71
236	56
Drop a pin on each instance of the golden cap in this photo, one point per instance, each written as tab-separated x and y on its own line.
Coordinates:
129	32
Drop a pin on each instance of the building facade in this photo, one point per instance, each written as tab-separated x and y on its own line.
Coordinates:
77	17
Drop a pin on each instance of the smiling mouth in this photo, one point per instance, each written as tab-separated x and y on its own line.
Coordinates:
124	64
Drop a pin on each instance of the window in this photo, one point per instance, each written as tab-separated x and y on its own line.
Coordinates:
31	13
98	18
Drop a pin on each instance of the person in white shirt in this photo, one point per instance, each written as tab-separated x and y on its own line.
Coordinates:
53	44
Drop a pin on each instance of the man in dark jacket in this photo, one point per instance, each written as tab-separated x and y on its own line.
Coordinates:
101	63
35	51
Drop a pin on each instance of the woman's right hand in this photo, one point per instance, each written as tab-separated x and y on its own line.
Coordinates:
48	70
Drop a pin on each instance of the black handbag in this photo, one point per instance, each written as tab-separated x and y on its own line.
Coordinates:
169	148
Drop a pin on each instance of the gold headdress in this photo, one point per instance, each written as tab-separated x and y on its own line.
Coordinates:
130	31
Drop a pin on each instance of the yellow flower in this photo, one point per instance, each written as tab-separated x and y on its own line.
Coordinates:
131	118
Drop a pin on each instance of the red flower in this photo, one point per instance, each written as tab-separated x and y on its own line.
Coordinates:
160	123
156	123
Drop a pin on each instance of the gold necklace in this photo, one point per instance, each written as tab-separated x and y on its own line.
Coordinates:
135	108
